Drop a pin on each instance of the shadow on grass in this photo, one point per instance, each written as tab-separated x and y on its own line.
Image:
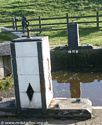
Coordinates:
82	31
86	31
58	34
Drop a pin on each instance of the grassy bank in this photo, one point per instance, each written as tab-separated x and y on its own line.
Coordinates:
53	8
48	7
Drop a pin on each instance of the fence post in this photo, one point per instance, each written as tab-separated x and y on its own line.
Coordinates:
67	18
97	19
39	24
16	28
14	23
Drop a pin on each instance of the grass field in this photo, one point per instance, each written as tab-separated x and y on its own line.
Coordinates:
48	7
53	8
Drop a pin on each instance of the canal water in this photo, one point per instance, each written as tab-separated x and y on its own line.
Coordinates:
78	85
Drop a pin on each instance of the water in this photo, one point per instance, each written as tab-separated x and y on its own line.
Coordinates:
78	85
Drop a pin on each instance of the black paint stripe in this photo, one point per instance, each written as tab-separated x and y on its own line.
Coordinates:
15	75
41	73
27	40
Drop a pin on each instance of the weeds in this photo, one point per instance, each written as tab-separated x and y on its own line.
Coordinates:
6	83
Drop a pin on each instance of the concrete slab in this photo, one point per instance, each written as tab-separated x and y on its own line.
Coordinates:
95	120
19	34
7	103
71	108
71	103
7	107
59	109
16	33
4	29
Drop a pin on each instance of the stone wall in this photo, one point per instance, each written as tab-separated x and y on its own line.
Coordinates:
84	60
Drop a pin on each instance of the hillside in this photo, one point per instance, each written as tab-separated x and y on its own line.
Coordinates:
48	7
53	8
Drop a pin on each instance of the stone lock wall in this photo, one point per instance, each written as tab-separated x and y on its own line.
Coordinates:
85	59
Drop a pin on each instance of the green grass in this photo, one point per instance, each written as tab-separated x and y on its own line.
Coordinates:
53	8
6	83
91	36
48	7
88	36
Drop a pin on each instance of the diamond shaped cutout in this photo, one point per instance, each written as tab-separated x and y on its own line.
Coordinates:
30	92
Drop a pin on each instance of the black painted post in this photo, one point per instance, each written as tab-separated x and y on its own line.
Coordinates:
39	24
73	36
67	19
16	28
13	23
97	19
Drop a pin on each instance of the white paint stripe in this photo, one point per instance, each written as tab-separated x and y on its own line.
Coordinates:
96	107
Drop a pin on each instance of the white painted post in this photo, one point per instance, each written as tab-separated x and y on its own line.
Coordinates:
32	72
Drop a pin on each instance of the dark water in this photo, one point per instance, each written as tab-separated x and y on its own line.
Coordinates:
76	85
